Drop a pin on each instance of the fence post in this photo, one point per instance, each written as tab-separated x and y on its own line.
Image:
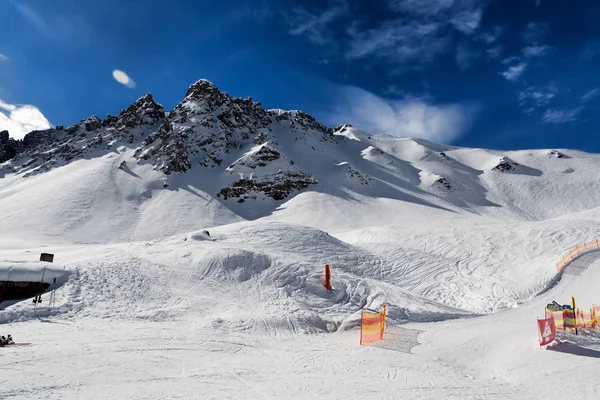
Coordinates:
327	277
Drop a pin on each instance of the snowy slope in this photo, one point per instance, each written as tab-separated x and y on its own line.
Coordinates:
461	244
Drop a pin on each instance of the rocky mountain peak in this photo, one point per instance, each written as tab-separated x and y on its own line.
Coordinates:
200	89
8	147
143	111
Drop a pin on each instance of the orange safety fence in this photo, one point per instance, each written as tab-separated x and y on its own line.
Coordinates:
596	311
372	326
575	251
565	319
558	317
570	320
585	320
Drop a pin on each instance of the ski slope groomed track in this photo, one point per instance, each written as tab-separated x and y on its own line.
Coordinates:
240	314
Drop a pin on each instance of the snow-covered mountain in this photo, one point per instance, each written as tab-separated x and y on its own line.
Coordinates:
241	161
199	235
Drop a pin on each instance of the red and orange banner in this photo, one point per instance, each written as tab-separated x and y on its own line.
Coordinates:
372	326
547	331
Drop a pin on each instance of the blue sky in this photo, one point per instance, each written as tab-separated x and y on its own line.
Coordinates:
502	74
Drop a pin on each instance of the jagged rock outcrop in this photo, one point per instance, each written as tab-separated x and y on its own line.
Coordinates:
143	112
209	129
8	147
41	150
506	165
352	173
277	186
443	182
205	126
258	159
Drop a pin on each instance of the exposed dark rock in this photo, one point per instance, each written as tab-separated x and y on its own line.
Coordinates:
353	173
8	147
144	111
92	123
505	165
443	182
110	120
207	129
277	186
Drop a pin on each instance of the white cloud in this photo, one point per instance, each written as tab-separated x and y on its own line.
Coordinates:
467	21
529	53
421	7
513	73
315	26
589	96
492	36
494	52
19	120
123	78
399	40
3	57
535	97
536	51
534	32
409	118
552	116
464	15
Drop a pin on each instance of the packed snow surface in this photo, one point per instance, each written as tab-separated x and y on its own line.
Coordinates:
152	306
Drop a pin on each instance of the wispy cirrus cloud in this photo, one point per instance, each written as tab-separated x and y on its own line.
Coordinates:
494	52
421	7
536	51
591	95
490	37
467	21
514	72
31	16
398	41
410	117
464	15
534	97
58	28
534	32
315	26
3	57
19	120
553	116
419	30
532	35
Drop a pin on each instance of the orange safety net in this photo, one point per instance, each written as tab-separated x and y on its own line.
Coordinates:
570	320
585	320
372	326
566	319
575	251
558	317
596	312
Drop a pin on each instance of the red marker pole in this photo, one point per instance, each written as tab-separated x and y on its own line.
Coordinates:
327	277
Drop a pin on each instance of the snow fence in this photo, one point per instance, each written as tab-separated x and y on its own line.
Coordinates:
372	326
571	319
577	251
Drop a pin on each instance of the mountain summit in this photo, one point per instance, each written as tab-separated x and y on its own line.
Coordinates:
224	159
